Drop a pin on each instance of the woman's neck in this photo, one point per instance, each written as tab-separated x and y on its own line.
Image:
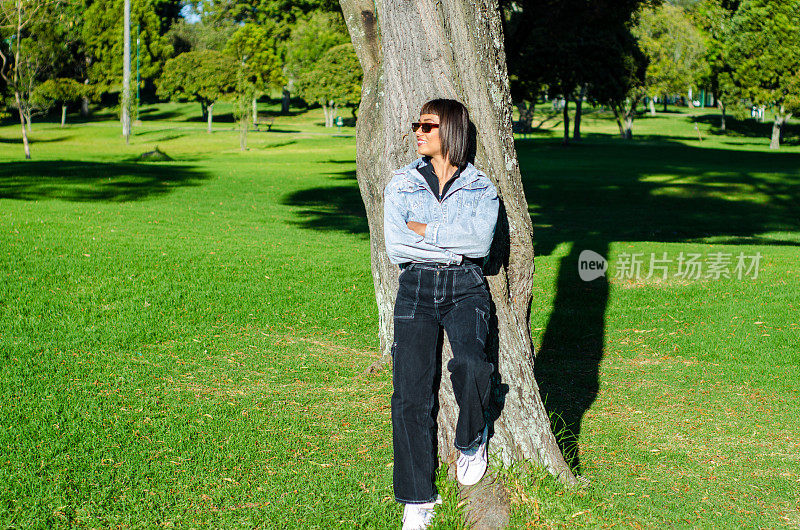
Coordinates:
443	168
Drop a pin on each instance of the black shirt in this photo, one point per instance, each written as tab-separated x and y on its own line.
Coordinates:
426	170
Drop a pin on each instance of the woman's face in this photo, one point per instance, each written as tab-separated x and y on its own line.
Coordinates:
429	144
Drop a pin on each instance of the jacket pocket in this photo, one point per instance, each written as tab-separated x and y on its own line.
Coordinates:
414	194
472	195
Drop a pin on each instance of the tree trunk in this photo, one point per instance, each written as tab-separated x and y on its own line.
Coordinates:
25	145
526	115
566	121
721	106
126	72
786	119
630	114
665	103
210	111
243	133
27	115
285	97
461	49
255	110
85	107
777	127
618	119
576	133
63	115
652	105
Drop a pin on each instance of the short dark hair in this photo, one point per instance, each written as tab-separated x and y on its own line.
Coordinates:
453	128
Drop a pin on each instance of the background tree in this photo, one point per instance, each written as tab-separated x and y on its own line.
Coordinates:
243	111
461	47
198	36
565	47
674	49
283	12
764	54
253	47
618	73
311	37
61	90
713	19
203	76
21	62
102	34
283	17
334	81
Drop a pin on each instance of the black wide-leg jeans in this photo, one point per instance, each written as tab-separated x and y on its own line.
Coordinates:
457	299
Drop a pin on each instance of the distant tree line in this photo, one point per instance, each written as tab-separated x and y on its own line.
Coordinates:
69	52
626	55
740	54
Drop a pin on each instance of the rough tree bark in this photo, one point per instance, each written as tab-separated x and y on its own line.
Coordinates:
721	107
210	115
458	46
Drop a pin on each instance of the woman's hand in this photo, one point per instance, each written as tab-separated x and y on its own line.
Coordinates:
419	228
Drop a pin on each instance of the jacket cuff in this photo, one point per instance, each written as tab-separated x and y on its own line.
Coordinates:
432	233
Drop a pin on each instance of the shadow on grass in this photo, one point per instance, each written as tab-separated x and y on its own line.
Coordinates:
79	181
750	128
331	208
34	140
604	191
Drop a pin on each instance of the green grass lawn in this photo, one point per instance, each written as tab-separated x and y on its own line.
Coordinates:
183	342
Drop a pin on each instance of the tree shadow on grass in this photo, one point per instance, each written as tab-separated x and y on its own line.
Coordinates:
331	208
602	192
599	192
79	181
750	128
34	140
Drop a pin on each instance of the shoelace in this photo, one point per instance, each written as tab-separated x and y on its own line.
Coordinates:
464	459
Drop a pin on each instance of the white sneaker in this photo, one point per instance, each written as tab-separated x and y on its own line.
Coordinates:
419	516
471	466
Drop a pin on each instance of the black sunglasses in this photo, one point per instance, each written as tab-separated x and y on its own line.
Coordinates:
426	127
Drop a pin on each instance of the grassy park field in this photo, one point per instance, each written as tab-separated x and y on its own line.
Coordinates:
183	342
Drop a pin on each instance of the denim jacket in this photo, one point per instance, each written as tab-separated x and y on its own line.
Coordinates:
462	224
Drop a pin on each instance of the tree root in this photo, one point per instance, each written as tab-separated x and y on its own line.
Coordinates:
487	504
380	363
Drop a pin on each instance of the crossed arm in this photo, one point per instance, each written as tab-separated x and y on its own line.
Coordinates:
439	241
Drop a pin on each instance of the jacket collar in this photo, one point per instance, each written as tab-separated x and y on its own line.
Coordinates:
468	175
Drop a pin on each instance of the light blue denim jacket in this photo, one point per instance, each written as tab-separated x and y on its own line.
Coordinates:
462	224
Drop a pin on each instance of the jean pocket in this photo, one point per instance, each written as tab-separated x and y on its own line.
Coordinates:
407	295
476	274
481	325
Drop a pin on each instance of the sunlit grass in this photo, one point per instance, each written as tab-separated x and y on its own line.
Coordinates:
184	342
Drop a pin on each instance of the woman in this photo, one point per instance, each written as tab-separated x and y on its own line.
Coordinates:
439	219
